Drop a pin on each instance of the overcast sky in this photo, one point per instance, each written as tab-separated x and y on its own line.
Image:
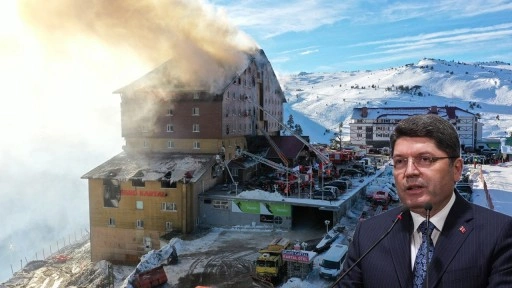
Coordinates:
333	35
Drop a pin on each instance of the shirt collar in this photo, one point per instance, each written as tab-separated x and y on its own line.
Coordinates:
438	219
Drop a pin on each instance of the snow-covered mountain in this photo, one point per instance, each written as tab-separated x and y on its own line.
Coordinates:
320	101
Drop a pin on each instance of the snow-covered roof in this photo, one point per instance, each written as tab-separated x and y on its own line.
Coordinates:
165	76
152	167
448	112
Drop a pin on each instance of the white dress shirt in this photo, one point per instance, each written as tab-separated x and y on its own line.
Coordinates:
437	220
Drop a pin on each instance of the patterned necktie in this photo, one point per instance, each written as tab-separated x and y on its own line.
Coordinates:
420	265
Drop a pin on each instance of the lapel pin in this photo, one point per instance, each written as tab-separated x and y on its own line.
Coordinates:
462	229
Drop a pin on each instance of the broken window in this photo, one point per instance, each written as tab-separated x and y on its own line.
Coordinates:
165	182
111	191
137	180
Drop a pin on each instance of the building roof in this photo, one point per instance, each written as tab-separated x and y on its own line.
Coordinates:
165	78
448	112
242	163
152	167
290	146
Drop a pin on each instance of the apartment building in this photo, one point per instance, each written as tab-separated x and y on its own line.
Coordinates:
373	126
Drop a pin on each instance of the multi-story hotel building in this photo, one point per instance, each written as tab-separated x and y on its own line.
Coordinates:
373	126
175	136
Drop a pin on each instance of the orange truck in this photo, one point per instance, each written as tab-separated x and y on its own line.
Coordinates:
151	278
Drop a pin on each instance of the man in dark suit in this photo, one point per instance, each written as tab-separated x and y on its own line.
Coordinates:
471	246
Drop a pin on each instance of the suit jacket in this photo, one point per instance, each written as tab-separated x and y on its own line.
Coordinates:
474	249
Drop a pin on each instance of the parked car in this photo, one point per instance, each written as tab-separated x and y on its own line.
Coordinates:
369	170
324	194
381	198
333	189
352	172
342	185
347	179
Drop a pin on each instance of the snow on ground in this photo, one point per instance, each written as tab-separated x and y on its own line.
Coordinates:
499	184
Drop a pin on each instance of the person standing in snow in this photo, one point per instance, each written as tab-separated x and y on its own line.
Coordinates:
471	245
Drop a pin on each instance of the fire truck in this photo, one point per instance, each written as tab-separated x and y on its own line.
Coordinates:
340	157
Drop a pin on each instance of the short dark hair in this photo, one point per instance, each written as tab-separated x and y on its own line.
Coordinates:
431	126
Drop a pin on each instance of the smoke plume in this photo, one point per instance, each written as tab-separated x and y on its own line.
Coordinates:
201	44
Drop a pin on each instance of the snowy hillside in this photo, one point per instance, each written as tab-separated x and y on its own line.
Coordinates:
320	101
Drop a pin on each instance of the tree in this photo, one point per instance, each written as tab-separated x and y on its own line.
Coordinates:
295	128
298	129
290	123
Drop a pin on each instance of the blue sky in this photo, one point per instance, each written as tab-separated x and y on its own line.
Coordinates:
334	35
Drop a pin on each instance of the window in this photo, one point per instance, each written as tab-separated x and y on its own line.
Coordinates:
195	111
165	182
146	144
168	206
168	226
138	182
139	205
139	224
169	112
220	204
170	144
195	127
197	145
111	222
196	95
170	128
137	179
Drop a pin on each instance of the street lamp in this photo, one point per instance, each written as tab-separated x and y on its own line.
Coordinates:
327	222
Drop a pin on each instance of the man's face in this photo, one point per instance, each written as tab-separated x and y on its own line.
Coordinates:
418	185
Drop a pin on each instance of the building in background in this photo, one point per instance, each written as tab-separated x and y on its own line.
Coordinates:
373	126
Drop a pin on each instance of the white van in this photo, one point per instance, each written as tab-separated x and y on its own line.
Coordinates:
332	263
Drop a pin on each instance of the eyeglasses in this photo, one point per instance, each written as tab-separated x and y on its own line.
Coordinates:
420	161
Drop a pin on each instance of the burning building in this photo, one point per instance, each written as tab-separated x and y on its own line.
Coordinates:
175	130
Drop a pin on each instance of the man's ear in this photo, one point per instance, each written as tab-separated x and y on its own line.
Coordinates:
458	164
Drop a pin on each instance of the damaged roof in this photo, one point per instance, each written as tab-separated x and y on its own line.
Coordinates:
290	146
152	167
